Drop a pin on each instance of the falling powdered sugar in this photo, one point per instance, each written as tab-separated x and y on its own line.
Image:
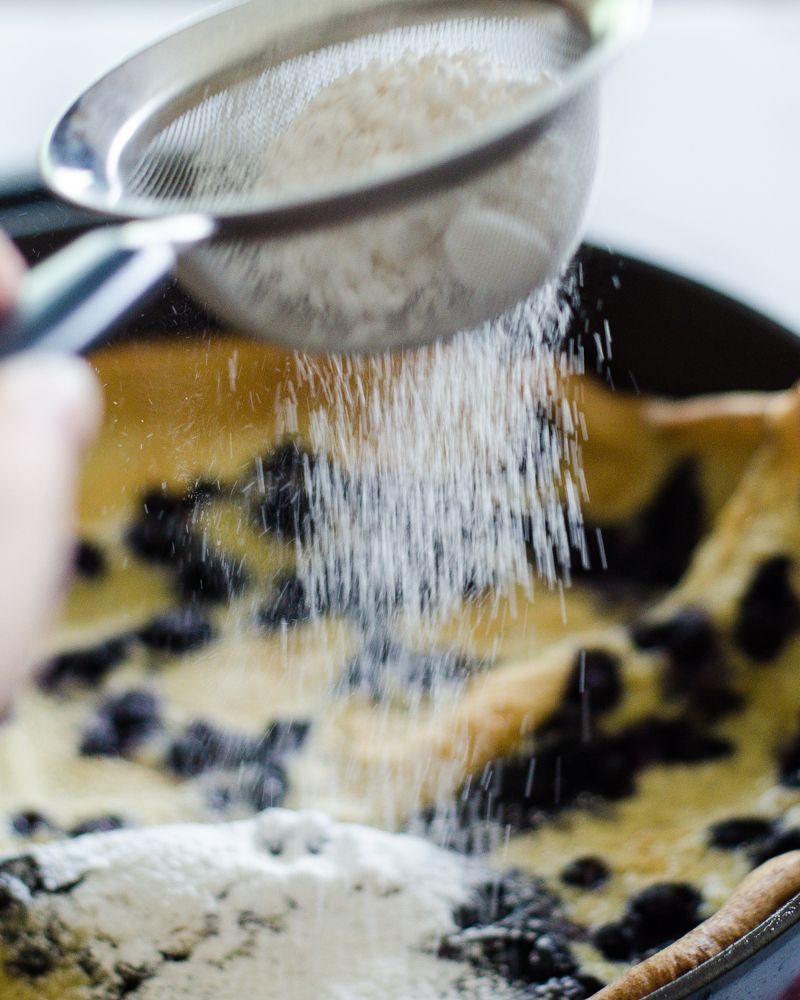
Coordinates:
457	466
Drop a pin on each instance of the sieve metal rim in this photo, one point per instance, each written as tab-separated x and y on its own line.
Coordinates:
610	25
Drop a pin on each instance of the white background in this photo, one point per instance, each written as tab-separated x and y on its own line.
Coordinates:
700	165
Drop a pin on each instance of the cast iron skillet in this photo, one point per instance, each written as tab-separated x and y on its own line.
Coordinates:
669	335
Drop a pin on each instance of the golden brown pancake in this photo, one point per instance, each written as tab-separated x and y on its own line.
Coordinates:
700	729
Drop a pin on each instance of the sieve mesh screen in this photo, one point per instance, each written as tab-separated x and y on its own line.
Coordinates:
211	156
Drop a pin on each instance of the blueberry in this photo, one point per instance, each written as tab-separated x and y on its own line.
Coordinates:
178	631
712	697
210	576
134	709
158	541
29	823
121	725
674	741
664	912
688	636
590	984
697	668
671	527
160	503
769	612
563	988
201	491
98	824
161	533
250	769
265	787
100	739
515	792
556	776
283	504
567	767
594	687
549	957
289	606
789	763
740	831
588	872
779	843
654	918
615	941
90	560
595	674
655	547
255	786
283	737
500	896
197	749
85	667
201	747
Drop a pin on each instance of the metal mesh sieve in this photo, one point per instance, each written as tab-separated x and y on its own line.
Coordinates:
398	250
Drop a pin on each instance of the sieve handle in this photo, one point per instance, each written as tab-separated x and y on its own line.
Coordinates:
80	293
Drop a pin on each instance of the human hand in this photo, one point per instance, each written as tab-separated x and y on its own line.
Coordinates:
50	409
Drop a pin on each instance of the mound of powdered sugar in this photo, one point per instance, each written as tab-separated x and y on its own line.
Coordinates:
285	905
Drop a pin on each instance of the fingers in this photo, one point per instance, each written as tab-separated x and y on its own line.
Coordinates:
12	268
50	408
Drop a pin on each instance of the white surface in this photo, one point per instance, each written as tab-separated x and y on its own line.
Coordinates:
51	49
701	149
701	146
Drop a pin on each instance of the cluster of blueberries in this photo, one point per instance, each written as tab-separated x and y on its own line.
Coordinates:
248	770
761	838
514	926
654	549
31	822
573	762
161	533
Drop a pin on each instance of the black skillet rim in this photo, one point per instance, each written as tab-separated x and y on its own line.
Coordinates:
656	319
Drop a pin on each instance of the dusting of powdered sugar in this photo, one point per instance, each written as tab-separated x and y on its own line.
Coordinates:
289	904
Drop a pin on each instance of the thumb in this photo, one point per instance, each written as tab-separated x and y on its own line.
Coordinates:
12	268
50	407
